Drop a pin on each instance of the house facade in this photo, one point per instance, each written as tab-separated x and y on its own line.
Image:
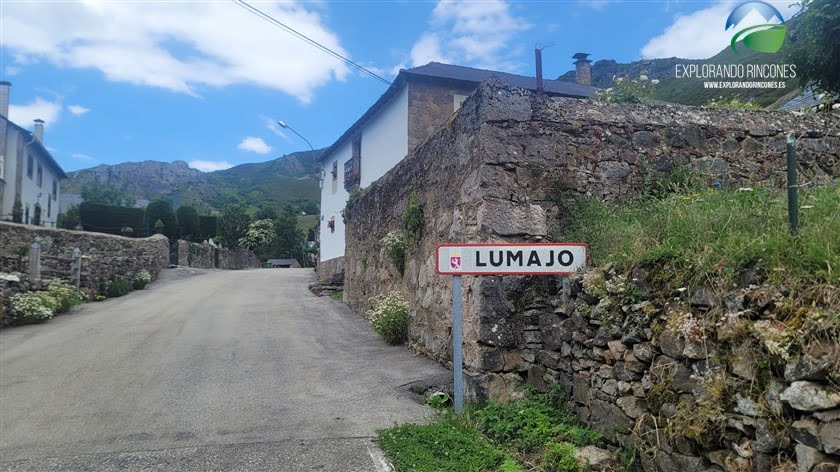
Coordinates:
418	102
28	172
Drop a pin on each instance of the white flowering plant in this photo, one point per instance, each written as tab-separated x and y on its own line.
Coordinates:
627	90
142	278
395	243
33	306
389	317
64	296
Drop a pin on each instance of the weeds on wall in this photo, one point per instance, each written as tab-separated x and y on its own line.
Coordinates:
394	244
347	211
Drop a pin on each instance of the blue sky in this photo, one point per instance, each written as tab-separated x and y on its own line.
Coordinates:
205	82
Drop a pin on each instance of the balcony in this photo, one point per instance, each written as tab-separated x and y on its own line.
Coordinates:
352	174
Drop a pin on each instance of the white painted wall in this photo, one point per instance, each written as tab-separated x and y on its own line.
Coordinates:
10	159
29	191
384	144
332	242
385	140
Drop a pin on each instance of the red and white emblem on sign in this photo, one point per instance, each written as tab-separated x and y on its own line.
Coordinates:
455	262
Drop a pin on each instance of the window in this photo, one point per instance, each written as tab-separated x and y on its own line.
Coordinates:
458	101
334	176
40	179
55	190
30	164
2	167
357	147
26	216
49	208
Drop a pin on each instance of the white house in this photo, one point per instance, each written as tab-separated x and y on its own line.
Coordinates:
28	172
413	107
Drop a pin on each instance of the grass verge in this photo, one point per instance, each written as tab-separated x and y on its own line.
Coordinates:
711	237
531	433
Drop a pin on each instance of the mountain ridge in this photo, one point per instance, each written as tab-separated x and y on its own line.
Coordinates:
289	179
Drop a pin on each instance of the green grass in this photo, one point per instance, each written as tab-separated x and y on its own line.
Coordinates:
339	295
448	444
530	431
306	222
711	237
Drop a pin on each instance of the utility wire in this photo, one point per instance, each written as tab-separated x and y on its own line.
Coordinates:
293	32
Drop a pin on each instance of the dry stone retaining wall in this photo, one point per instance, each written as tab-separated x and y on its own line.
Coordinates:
205	256
499	171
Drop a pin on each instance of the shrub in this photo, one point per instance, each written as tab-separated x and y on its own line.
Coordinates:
117	287
560	457
394	244
33	306
389	317
65	296
412	218
141	279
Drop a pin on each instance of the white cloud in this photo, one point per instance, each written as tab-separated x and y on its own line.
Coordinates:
701	34
179	46
253	144
77	110
210	166
83	157
470	33
272	125
24	115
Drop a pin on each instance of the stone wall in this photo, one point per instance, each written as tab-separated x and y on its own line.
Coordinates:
205	256
328	269
429	105
103	255
236	259
498	171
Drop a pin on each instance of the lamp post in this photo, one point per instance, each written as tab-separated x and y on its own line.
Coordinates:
285	126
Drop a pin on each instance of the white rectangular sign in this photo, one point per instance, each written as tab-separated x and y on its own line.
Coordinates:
510	259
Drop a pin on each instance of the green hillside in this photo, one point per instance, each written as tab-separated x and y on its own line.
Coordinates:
273	184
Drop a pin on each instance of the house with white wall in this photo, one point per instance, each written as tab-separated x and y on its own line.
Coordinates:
28	172
418	102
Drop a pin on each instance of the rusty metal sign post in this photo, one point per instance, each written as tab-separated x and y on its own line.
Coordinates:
498	259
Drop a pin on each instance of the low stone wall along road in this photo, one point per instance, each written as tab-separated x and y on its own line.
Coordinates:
205	370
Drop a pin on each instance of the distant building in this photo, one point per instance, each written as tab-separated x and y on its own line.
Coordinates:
282	264
28	172
418	102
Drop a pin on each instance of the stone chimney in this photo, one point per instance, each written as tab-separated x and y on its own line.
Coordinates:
39	130
583	73
4	99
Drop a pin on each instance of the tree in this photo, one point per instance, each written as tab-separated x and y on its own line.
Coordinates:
260	233
267	213
189	224
106	195
69	219
289	240
162	210
813	46
233	223
17	210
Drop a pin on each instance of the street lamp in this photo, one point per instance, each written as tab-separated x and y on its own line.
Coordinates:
285	126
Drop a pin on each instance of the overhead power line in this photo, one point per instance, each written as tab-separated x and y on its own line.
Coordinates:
303	37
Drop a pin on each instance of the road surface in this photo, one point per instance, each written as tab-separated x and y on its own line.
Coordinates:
223	370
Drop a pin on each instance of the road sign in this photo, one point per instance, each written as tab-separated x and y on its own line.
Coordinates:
510	259
498	259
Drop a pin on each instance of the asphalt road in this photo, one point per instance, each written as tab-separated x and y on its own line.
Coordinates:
222	370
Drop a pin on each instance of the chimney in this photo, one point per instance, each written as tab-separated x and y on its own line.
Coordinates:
583	74
538	60
39	130
4	99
